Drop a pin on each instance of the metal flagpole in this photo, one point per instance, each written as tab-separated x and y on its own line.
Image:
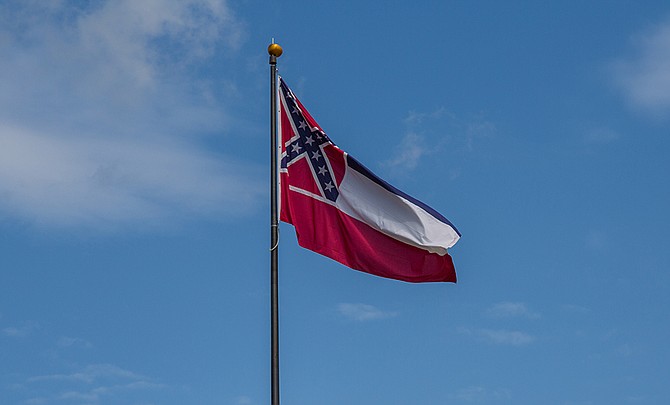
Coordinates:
275	51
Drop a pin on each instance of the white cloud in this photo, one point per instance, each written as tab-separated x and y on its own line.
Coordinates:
500	336
427	134
638	399
417	118
596	240
92	373
511	310
600	136
624	350
644	77
66	342
506	337
243	400
26	329
114	58
472	394
86	397
363	312
477	130
99	124
93	384
412	148
83	180
479	394
577	309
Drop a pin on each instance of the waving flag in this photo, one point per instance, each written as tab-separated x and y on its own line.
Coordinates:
343	211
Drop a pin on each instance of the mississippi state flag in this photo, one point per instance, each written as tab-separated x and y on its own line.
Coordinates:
343	211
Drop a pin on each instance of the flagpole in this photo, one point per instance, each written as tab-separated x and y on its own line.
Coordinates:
275	51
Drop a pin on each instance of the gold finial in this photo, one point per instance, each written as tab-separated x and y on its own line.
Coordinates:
275	50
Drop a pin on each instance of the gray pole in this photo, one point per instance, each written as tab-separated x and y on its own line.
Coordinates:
275	51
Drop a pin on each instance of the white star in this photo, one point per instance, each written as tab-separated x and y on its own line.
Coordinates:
296	147
303	125
322	170
295	110
309	141
329	186
316	155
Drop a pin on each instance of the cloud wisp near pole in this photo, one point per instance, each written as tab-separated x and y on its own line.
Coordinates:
275	51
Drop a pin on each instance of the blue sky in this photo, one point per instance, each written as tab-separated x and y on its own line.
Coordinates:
134	216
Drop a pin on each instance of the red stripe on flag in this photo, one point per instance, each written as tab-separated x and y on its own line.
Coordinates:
326	230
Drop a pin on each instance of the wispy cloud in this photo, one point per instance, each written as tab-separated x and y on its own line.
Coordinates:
93	384
596	240
506	337
363	312
600	136
480	394
92	373
508	309
68	179
243	400
66	342
576	309
428	133
500	336
417	118
101	117
25	329
410	151
624	350
644	76
414	144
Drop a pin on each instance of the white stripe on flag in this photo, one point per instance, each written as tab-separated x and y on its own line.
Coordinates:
392	214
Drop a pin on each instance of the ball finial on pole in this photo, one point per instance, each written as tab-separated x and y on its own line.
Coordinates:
275	50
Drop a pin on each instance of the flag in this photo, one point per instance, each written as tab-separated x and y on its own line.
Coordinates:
341	210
